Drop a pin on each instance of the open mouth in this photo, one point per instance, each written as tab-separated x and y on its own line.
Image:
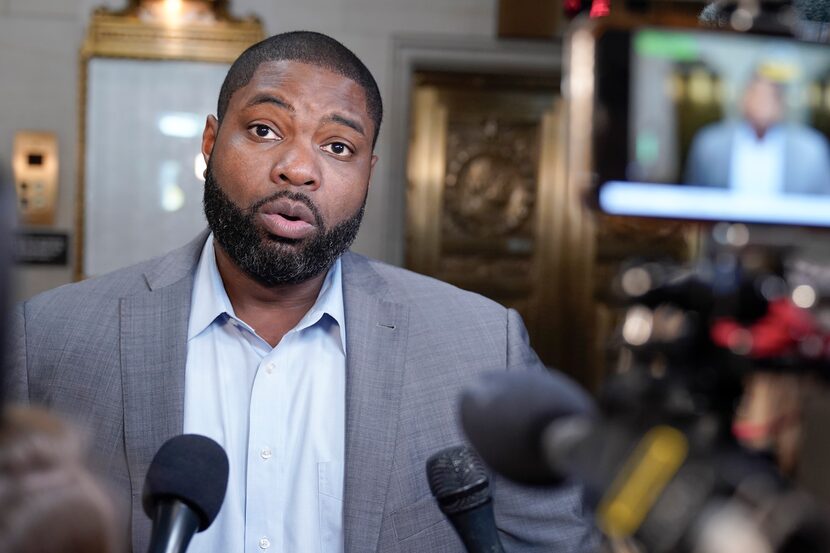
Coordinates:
288	224
288	218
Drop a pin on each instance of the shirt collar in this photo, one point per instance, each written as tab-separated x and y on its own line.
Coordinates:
329	302
210	300
773	134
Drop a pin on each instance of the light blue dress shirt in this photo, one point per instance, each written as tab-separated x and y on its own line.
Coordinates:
757	165
278	412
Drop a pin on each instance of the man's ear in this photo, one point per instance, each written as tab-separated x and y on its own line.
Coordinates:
209	136
372	167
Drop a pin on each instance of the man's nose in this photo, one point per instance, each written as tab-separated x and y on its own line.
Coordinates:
297	165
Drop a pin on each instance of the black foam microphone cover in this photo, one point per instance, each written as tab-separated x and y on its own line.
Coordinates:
817	11
459	483
192	469
505	415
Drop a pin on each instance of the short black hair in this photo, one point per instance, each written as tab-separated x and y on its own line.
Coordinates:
305	47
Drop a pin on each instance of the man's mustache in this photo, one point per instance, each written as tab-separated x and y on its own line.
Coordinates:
293	196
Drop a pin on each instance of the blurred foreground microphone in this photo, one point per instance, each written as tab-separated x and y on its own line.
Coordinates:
184	490
505	415
459	483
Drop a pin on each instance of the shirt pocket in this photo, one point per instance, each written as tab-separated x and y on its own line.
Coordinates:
330	506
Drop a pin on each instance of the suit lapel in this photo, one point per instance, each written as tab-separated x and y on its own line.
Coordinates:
153	356
375	345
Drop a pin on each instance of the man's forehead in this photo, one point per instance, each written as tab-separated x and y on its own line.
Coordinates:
301	86
282	74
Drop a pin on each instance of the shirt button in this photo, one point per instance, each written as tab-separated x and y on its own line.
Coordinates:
269	368
265	453
264	543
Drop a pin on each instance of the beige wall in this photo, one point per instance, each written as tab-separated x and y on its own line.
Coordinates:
39	43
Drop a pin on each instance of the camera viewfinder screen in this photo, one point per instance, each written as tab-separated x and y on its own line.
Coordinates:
713	126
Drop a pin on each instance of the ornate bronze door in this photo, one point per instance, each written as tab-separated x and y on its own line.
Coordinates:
484	161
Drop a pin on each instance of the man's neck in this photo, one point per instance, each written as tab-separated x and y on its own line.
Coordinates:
761	132
270	310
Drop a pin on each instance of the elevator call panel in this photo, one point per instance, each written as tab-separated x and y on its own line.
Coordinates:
35	167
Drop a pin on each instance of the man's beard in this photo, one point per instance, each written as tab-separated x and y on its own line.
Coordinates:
269	259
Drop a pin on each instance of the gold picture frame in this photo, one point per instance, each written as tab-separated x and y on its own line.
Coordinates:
153	30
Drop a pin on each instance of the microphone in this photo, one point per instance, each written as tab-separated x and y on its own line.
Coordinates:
817	11
459	484
184	490
506	414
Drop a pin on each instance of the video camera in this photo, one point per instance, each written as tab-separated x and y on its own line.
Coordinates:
729	126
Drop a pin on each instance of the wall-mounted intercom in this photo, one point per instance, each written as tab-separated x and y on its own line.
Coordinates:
35	166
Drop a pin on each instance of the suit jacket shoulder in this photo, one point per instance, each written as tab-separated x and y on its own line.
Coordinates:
807	161
710	155
146	275
75	328
428	294
454	332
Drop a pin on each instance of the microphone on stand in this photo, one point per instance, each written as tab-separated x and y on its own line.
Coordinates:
459	483
184	490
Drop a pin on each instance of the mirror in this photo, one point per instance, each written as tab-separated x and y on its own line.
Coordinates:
150	75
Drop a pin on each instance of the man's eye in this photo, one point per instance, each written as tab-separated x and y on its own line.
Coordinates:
338	149
263	131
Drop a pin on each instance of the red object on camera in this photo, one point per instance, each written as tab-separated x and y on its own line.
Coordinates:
600	8
776	334
572	7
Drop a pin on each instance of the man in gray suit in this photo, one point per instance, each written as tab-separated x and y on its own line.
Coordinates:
328	377
762	153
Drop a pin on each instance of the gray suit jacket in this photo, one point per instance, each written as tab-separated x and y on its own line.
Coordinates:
111	352
806	158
